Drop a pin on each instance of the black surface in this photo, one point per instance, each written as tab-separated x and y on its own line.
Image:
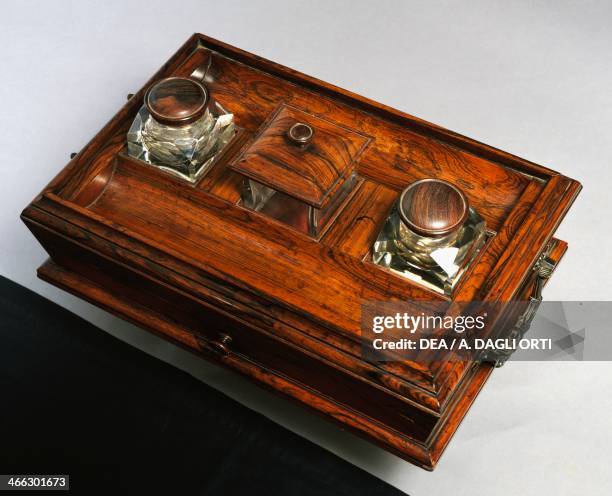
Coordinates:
75	400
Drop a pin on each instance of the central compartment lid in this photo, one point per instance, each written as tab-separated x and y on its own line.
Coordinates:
301	155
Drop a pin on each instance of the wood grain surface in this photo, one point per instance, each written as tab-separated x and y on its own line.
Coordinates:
191	264
309	172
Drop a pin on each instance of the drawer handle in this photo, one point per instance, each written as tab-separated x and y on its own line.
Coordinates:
221	345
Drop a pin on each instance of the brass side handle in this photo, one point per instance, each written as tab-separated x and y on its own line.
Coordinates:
543	269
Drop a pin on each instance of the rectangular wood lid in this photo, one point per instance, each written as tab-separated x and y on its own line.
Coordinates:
309	172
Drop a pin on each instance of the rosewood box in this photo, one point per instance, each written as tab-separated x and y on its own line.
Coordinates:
259	254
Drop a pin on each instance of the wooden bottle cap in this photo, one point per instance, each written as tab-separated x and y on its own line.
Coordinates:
433	208
176	101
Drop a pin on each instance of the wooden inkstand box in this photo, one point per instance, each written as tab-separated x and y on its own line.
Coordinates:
246	212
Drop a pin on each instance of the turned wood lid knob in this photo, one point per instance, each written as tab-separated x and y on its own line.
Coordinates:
176	101
433	208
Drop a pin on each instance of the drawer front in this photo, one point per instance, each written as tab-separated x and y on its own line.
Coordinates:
226	339
239	341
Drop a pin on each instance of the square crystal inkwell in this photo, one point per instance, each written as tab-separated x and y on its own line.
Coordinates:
180	129
431	235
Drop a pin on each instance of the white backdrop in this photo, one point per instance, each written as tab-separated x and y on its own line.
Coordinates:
530	77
